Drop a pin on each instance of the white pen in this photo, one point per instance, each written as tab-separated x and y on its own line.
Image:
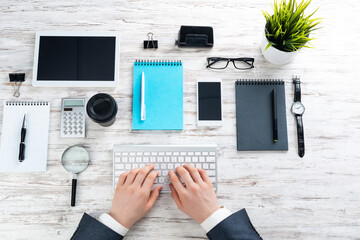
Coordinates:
143	112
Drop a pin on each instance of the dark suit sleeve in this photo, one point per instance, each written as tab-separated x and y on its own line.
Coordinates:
91	229
235	227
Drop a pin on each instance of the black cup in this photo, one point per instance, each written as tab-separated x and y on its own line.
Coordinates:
102	109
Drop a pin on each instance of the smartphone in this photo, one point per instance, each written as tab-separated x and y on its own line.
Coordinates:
209	102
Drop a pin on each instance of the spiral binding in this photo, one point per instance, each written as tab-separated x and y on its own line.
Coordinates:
260	82
26	103
158	63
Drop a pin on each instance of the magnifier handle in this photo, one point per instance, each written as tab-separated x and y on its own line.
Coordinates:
73	192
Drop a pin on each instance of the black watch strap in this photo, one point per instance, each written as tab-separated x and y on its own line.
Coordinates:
297	94
300	135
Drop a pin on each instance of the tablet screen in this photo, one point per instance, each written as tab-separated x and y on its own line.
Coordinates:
76	58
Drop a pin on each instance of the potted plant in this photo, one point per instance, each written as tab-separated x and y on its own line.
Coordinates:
287	30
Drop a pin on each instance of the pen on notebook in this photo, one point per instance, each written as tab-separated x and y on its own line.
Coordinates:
22	141
143	113
275	121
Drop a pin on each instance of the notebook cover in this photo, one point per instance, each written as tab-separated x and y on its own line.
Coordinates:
163	95
254	119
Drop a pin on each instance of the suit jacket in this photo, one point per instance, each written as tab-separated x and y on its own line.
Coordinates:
236	227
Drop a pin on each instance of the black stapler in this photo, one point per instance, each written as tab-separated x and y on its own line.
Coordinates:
195	36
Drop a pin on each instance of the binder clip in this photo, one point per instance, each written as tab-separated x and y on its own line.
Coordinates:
195	36
150	43
17	79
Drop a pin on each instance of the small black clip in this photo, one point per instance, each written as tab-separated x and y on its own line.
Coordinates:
150	43
17	79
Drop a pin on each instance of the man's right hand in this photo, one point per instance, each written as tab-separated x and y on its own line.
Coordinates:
196	197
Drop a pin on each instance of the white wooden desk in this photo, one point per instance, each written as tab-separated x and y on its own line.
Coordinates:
317	197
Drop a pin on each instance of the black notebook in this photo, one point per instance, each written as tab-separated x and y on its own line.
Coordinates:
254	115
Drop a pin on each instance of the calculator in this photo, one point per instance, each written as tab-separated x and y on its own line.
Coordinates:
72	117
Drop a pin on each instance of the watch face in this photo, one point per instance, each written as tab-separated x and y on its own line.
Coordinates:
298	108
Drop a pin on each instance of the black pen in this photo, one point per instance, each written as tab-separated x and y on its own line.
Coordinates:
275	123
22	142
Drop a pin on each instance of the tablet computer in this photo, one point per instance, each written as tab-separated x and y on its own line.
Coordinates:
76	59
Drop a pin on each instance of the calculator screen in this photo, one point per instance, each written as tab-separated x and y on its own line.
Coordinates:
73	103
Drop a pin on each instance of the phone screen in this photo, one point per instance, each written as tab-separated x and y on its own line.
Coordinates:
209	101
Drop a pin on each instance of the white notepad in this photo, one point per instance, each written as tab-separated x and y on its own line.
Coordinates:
36	141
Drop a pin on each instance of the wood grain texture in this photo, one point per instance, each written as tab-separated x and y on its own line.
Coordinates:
317	197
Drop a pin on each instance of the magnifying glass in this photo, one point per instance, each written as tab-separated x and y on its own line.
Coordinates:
75	160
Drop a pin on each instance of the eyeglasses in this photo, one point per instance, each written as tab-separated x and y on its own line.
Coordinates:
222	63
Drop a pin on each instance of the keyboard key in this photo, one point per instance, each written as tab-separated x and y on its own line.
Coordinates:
153	153
173	159
177	165
161	180
212	153
125	153
127	166
181	159
197	153
210	159
161	153
198	165
201	159
212	166
146	159
205	166
119	166
166	159
131	159
170	166
187	159
118	173
147	153
183	153
165	172
139	153
141	165
156	180
117	159
167	180
118	154
160	159
204	153
176	153
190	153
135	165
156	166
212	179
152	159
168	154
163	166
116	180
195	159
132	154
211	172
138	159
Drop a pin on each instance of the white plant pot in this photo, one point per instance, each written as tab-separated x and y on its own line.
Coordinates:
274	55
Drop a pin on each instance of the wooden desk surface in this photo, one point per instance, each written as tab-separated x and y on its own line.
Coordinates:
317	197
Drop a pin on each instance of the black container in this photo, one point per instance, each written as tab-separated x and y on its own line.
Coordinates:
102	109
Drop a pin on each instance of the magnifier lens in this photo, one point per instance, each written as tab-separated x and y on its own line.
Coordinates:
75	159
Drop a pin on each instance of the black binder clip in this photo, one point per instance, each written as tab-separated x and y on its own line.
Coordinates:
150	43
195	36
17	79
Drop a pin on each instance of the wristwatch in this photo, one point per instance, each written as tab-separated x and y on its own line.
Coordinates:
298	110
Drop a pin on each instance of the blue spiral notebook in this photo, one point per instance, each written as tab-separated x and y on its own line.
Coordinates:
163	95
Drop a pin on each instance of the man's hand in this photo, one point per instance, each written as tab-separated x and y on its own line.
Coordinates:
133	198
197	197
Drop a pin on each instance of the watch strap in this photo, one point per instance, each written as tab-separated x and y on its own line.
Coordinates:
297	93
300	135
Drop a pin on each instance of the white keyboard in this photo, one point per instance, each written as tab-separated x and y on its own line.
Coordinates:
164	158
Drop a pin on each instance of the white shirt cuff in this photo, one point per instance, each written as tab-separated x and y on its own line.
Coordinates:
215	219
111	223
